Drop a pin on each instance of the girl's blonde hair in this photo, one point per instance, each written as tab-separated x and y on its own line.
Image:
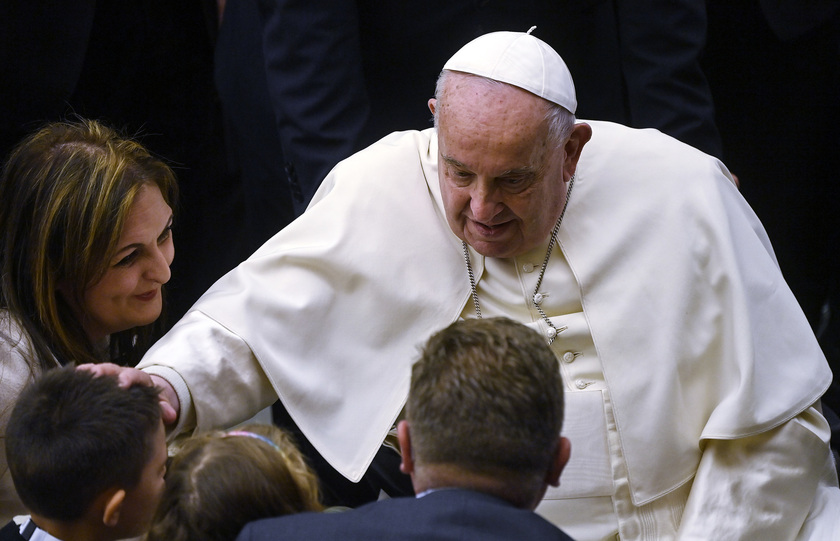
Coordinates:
65	194
220	481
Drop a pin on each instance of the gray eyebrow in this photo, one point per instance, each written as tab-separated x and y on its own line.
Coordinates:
452	161
524	170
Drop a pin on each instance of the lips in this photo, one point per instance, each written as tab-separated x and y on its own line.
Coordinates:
490	230
148	296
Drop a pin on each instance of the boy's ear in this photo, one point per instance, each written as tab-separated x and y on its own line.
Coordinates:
113	506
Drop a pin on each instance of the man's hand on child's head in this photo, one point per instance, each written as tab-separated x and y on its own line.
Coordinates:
126	376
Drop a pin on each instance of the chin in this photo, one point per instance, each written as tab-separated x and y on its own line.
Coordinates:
147	321
142	321
499	248
494	251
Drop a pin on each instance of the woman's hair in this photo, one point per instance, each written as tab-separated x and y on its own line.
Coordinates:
65	194
220	481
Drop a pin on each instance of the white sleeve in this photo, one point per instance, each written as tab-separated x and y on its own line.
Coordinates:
762	486
15	375
218	380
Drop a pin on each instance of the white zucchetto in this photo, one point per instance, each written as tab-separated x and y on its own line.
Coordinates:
521	60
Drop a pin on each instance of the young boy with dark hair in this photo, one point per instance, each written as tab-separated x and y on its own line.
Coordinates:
87	457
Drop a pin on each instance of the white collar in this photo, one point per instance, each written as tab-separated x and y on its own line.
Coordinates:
38	534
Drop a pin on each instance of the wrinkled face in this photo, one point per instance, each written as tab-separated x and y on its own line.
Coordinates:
142	500
129	294
503	187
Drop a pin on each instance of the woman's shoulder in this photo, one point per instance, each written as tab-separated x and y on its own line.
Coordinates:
15	354
12	335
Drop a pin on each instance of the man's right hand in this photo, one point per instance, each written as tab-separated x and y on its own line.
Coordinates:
170	406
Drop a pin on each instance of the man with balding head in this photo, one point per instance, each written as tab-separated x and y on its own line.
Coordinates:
693	378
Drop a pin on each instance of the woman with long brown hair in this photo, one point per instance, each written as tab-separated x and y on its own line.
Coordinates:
85	248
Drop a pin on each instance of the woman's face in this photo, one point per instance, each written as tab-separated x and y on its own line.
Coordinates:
129	294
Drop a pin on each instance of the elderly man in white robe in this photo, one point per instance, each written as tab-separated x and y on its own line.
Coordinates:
693	377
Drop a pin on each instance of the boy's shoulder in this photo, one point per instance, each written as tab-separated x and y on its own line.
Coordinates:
11	532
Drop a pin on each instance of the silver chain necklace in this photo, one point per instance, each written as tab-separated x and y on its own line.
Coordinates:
537	297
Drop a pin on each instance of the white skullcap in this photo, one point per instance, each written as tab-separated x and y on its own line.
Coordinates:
518	59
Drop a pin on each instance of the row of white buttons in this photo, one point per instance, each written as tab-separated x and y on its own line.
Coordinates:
569	356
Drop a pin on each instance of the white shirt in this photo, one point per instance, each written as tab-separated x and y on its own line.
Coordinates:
37	534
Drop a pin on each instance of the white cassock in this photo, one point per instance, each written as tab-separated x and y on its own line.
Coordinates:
693	377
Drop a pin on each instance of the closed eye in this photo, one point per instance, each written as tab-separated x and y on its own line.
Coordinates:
516	184
165	234
127	260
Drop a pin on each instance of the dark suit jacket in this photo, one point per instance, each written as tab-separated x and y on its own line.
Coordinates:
442	515
11	532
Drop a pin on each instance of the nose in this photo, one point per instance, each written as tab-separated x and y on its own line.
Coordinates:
485	202
158	267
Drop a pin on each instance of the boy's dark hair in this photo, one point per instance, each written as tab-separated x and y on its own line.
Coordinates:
71	436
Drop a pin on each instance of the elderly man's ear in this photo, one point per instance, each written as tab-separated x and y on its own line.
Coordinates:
574	145
561	457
